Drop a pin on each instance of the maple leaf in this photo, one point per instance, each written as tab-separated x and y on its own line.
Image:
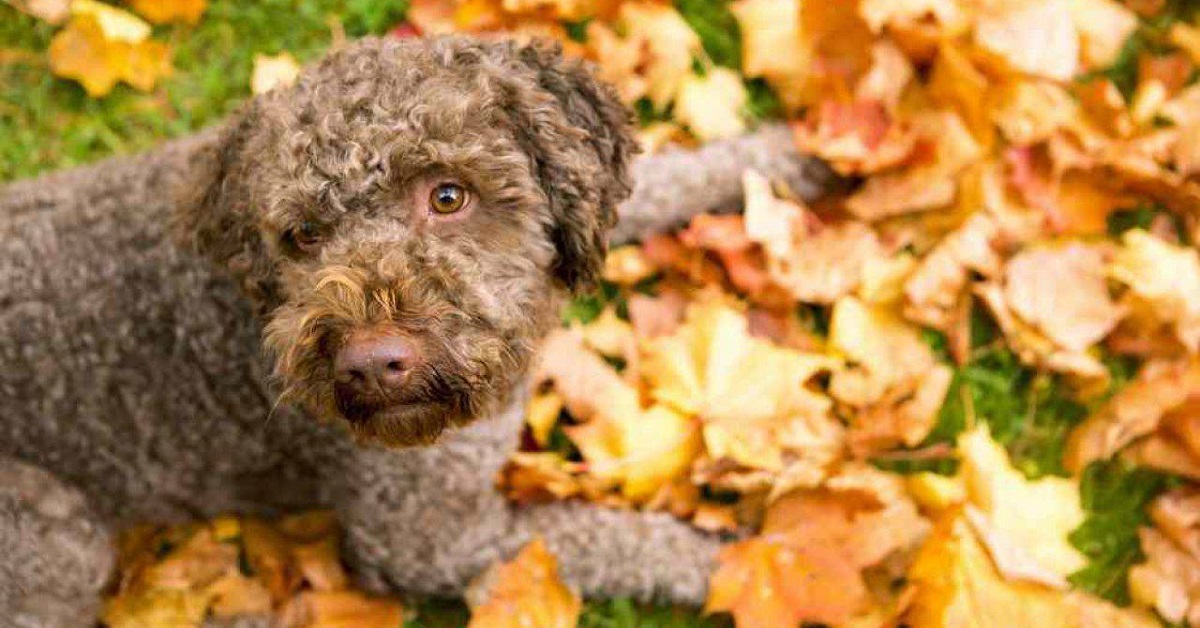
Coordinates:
164	11
774	47
1104	26
806	565
815	263
1164	279
936	286
102	46
883	352
1169	580
1134	412
627	266
711	105
1062	292
525	591
957	586
270	72
651	57
1037	36
856	138
1023	523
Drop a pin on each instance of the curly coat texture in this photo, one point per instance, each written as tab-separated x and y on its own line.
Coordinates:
133	368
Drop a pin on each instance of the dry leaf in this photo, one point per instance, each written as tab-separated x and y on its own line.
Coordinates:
774	46
50	11
1034	36
1023	523
711	105
271	72
957	587
1169	580
856	138
101	47
936	286
524	592
653	54
1103	25
1061	291
1164	279
883	352
164	11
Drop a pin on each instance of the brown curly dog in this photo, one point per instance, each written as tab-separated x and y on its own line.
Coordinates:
405	215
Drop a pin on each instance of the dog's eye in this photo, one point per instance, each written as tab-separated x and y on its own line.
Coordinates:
447	198
306	235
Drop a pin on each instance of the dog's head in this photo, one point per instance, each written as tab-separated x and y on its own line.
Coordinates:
404	217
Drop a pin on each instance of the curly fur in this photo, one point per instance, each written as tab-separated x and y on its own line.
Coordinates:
133	369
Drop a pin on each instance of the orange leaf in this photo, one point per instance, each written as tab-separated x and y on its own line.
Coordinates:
163	11
525	592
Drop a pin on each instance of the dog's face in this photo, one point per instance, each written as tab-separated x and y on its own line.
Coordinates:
405	217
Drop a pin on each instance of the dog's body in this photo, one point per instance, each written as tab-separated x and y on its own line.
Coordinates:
133	370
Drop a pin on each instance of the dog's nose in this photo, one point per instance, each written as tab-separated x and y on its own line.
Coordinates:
373	363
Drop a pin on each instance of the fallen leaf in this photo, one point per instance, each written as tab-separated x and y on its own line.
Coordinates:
1136	411
99	50
774	46
936	286
524	592
882	351
1062	291
164	11
651	57
711	105
1036	36
1023	523
49	11
1169	580
856	138
271	72
1104	26
958	586
627	266
1165	279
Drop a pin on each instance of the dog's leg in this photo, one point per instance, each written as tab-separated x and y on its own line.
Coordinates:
430	520
673	186
55	555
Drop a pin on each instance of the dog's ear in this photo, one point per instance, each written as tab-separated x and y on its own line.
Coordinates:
581	140
214	216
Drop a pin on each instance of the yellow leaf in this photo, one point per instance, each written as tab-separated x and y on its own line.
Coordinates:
82	51
711	105
542	414
641	452
653	54
50	11
627	266
164	11
1062	291
884	350
1030	518
525	592
1166	278
117	25
609	335
957	587
271	72
1103	25
1034	36
773	46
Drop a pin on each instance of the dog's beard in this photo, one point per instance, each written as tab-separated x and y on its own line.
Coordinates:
432	400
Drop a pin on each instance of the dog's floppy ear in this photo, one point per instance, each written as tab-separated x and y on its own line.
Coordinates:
213	214
580	137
